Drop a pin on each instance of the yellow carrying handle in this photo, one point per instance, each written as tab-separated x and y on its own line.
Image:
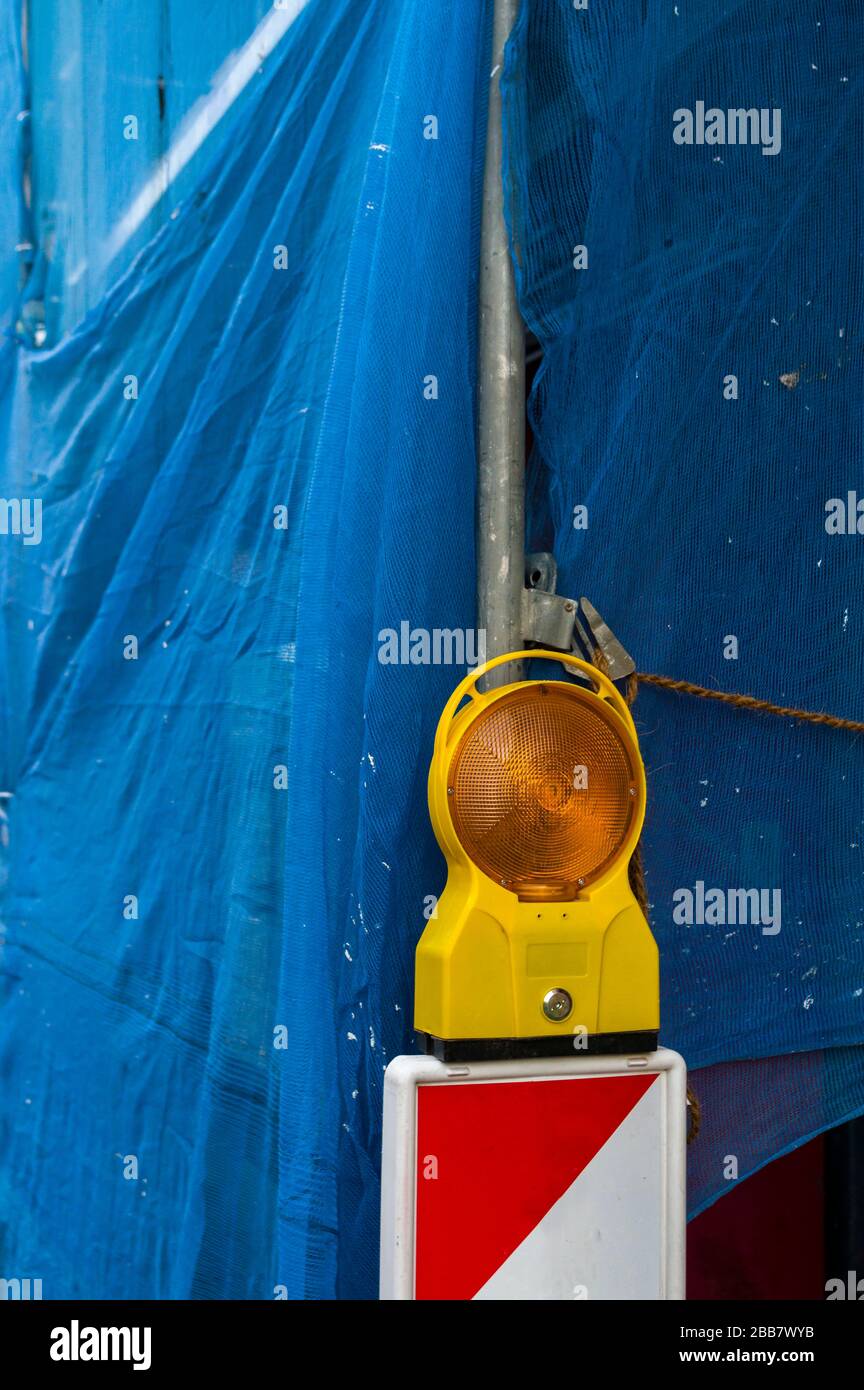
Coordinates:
603	687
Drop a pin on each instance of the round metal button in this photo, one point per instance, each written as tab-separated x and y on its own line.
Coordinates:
557	1005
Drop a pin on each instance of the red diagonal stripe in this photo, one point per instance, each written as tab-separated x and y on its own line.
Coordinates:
504	1153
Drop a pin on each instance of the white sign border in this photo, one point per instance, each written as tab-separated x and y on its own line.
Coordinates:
398	1167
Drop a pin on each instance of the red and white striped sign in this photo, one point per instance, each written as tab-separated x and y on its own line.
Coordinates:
558	1179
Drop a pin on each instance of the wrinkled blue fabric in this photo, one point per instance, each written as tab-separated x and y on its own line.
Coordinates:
255	778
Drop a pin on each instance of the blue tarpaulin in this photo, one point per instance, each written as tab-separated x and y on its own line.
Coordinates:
216	849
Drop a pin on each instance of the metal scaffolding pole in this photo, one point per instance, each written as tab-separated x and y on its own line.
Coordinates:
501	399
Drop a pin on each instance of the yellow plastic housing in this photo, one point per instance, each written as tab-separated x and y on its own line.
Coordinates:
537	798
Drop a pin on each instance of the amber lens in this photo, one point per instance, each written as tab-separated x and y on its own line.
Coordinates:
540	790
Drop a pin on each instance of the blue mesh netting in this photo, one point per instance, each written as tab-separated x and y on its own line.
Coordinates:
706	515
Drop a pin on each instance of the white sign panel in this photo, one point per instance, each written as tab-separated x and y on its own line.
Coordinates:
558	1179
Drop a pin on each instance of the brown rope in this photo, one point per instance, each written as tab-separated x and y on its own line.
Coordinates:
695	1115
744	702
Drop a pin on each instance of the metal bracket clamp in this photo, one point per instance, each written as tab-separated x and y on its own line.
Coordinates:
619	663
551	620
548	619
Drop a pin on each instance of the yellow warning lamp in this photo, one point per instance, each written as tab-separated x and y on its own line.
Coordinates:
537	946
